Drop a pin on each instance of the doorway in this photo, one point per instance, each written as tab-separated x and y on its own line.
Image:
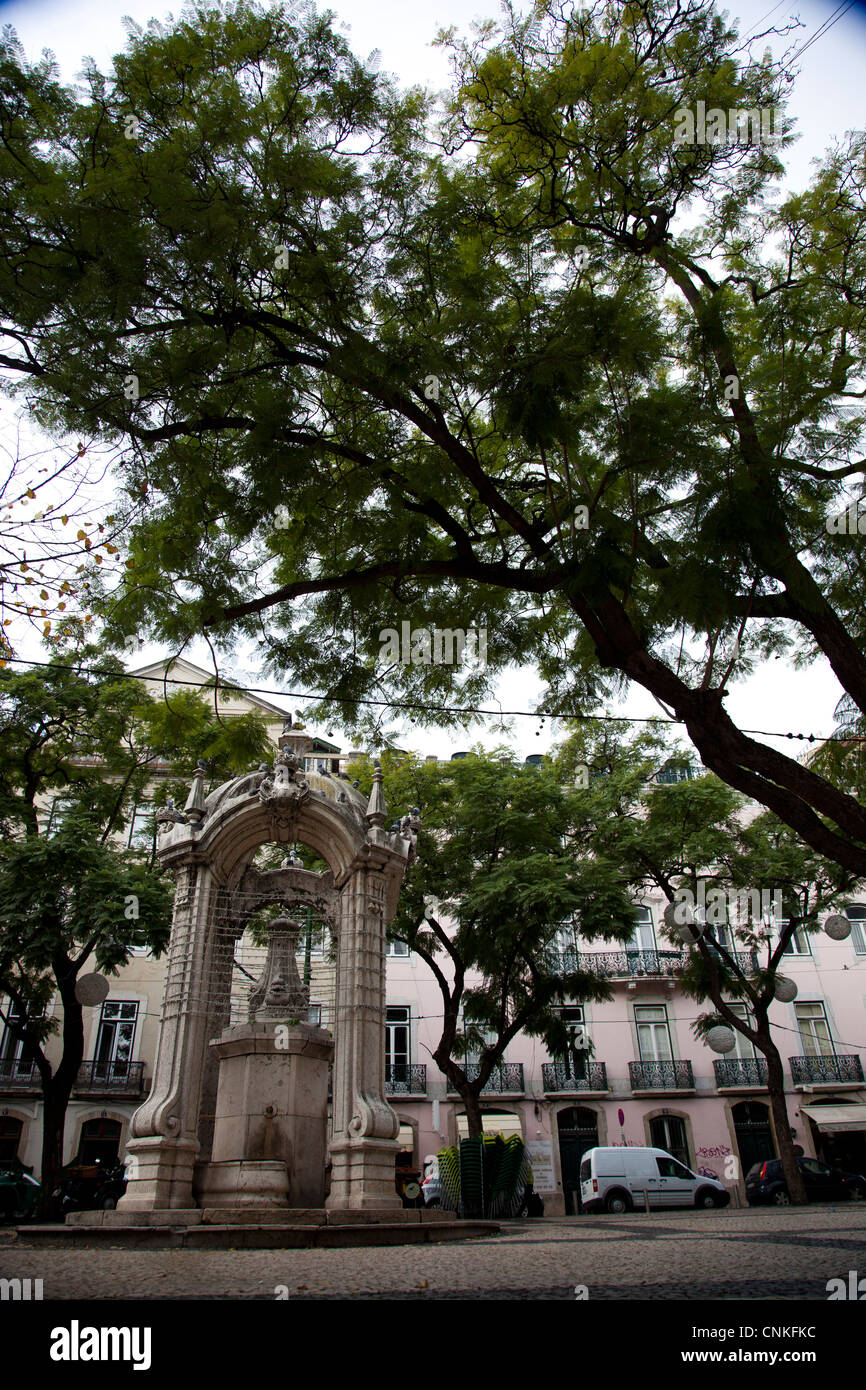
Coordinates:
754	1133
578	1131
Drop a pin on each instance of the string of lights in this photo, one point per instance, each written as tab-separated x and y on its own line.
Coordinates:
419	706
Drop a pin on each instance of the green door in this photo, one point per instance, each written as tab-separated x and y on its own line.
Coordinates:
578	1131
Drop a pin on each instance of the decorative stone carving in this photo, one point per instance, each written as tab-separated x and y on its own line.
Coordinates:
211	861
279	993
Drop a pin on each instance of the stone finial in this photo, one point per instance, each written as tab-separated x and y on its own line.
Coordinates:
194	810
376	808
278	992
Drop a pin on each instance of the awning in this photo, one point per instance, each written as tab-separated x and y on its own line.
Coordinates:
835	1119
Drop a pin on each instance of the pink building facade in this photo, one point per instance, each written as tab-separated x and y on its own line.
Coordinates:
644	1078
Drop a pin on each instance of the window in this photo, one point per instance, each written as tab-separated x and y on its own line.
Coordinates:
856	915
643	937
669	1168
675	772
10	1138
814	1030
314	1015
12	1061
669	1132
573	1060
742	1050
397	1039
115	1038
142	827
653	1032
799	943
396	948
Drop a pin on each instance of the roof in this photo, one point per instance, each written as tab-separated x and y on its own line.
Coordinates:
187	673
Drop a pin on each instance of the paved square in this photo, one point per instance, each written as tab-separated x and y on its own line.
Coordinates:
751	1254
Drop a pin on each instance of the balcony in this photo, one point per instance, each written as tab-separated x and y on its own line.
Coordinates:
740	1073
403	1079
19	1078
827	1071
110	1079
504	1080
746	961
620	965
661	1076
561	1079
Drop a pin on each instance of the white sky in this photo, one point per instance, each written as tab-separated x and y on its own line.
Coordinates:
828	99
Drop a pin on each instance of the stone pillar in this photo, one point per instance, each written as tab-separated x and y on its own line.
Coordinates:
164	1143
365	1128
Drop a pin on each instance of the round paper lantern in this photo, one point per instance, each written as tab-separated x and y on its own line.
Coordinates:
784	989
90	990
681	921
837	927
721	1038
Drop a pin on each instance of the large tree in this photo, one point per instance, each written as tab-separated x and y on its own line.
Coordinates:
79	742
504	858
551	371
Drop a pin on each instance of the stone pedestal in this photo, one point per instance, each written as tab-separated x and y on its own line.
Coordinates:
270	1130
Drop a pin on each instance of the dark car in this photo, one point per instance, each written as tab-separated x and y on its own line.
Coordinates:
765	1182
19	1192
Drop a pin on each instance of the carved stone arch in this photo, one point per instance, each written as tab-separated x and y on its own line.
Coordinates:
209	849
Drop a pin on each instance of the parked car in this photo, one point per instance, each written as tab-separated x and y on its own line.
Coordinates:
431	1190
19	1192
622	1178
765	1182
90	1187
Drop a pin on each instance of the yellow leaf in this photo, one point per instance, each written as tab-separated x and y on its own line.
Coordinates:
30	492
82	535
63	520
43	593
61	607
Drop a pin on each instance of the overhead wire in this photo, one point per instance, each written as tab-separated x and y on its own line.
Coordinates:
312	697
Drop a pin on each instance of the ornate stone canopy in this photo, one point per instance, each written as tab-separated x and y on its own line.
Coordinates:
209	848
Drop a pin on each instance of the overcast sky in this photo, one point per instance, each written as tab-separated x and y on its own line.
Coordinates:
828	100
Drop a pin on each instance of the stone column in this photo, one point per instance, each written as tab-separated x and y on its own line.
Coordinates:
364	1143
164	1142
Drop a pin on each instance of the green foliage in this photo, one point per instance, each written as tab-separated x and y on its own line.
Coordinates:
514	390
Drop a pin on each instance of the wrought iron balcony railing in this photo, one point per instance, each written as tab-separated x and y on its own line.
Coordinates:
115	1078
620	965
740	1071
19	1076
558	1076
505	1079
405	1079
661	1076
747	961
830	1069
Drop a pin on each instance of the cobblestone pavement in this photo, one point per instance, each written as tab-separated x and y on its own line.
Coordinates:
752	1254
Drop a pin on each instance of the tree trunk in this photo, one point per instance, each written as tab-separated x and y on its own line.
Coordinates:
776	1087
473	1114
55	1102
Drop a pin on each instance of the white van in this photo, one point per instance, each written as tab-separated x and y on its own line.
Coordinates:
618	1179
